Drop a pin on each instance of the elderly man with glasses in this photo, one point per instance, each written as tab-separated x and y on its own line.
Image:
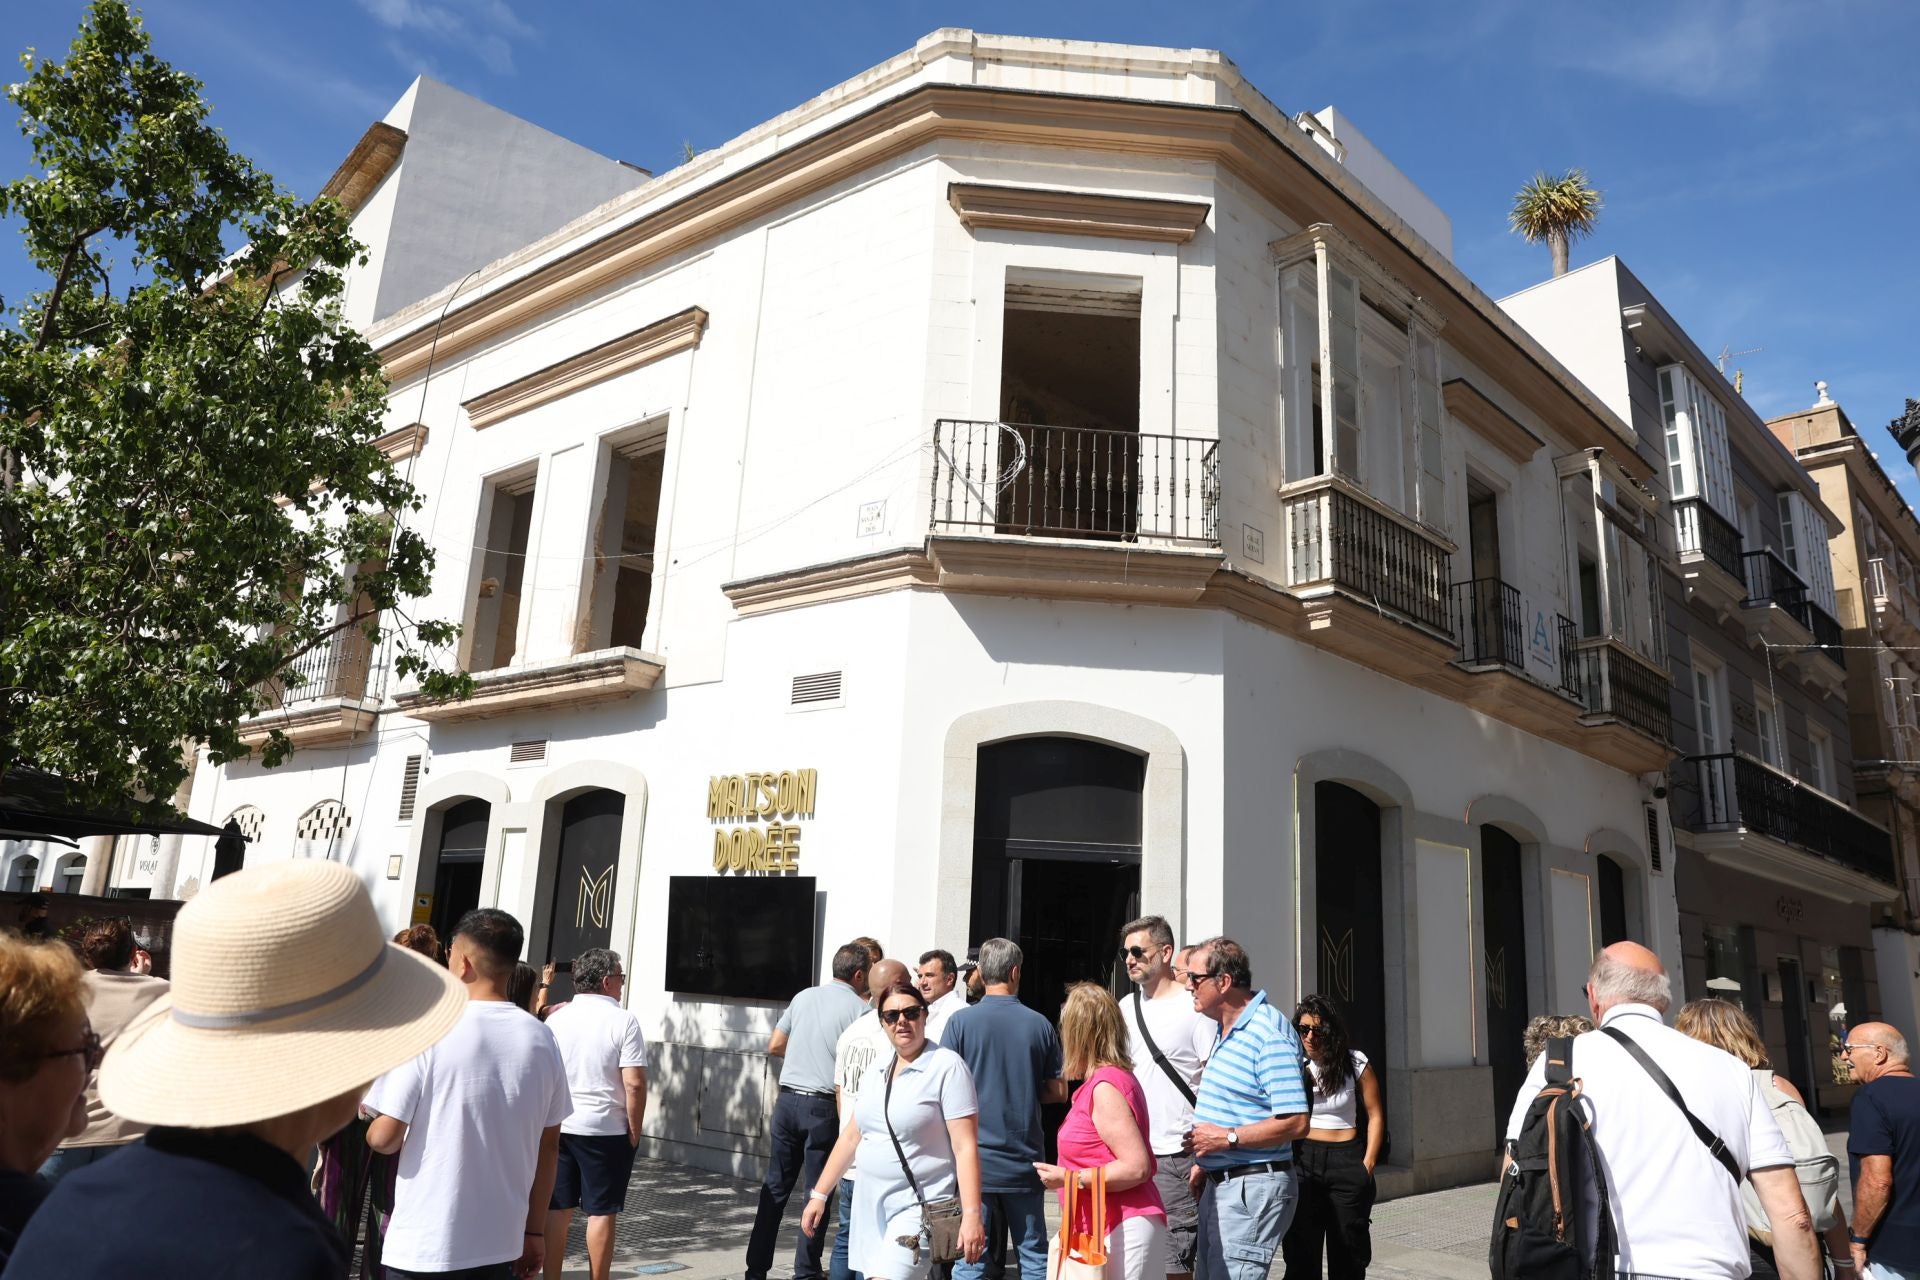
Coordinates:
606	1059
1883	1147
1250	1107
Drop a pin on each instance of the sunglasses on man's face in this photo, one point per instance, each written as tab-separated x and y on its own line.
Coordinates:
912	1013
90	1051
1136	953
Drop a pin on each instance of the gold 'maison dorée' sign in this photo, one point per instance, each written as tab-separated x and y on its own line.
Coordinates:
743	797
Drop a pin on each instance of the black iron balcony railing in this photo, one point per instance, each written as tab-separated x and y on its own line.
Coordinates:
1616	682
1569	661
1828	636
1770	581
1736	792
1339	538
1487	622
336	668
1075	482
1705	532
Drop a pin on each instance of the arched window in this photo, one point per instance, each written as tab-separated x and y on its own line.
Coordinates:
25	871
251	821
69	872
321	830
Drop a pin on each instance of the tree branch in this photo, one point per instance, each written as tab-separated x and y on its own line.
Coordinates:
60	286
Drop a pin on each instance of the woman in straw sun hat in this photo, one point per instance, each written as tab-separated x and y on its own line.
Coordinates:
287	1001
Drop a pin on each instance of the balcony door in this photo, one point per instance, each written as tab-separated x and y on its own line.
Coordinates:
1492	622
1070	395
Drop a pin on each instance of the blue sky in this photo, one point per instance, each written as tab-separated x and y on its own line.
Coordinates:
1760	158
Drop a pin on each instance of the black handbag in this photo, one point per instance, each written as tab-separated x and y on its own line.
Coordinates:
939	1219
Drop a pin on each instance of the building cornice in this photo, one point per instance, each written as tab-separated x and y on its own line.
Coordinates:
366	166
678	332
1302	188
403	443
1494	424
1076	213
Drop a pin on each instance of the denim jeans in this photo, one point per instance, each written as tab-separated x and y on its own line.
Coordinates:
803	1132
1242	1221
1025	1213
838	1268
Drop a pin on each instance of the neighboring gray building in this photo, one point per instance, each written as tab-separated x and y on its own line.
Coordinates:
1777	874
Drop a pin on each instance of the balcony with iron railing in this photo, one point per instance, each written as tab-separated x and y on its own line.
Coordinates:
1894	613
327	694
1829	638
1615	683
1734	795
1340	537
1706	535
1776	599
1032	480
1488	623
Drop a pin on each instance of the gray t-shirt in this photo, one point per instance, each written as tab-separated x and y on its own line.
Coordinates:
813	1023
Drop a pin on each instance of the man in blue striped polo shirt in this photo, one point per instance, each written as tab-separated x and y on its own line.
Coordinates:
1250	1108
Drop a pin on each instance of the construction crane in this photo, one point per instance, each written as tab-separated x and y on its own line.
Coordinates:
1727	353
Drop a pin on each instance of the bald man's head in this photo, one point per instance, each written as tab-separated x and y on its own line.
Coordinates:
1627	973
1873	1049
883	975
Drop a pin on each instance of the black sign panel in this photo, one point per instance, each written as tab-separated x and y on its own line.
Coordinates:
583	879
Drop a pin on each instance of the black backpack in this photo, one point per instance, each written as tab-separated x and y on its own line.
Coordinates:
1539	1229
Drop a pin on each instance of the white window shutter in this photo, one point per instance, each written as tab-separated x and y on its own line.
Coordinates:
1430	444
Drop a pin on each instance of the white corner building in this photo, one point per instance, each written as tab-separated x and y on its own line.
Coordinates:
1029	484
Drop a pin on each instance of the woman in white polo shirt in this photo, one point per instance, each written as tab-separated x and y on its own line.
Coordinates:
922	1097
1334	1162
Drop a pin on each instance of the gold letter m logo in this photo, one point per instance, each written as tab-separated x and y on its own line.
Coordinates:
596	898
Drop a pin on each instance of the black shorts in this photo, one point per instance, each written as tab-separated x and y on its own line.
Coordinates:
592	1172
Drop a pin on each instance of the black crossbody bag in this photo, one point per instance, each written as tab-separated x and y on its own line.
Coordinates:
1159	1058
1708	1138
939	1219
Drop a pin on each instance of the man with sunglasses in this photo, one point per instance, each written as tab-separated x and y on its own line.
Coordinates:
1883	1146
1168	1042
1250	1107
606	1057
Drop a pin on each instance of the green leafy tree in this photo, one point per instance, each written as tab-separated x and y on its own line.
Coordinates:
190	494
1558	210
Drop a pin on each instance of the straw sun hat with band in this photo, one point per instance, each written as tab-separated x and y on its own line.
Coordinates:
286	993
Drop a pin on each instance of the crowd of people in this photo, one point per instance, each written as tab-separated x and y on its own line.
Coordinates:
304	1085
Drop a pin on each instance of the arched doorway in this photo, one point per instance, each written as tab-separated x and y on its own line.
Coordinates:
1504	936
583	875
459	863
1056	858
1351	937
1611	880
25	870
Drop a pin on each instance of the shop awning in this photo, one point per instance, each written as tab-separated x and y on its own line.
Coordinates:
35	805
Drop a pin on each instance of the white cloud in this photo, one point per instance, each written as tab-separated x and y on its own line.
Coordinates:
1705	50
488	30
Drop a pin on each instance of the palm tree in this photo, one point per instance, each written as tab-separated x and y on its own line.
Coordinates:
1558	210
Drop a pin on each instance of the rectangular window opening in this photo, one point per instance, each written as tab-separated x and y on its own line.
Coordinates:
503	573
624	559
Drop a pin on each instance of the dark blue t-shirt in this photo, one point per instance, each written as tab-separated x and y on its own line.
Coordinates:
1886	1122
1011	1051
183	1205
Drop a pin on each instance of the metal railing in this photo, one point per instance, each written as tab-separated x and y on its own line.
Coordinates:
1034	480
336	668
1828	635
1705	532
1614	681
1737	792
1569	666
1488	623
1770	581
1337	538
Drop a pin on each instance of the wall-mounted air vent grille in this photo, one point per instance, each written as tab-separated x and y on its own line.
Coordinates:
822	688
527	752
1654	858
409	788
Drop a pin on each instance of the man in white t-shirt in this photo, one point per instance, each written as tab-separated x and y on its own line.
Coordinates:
863	1043
476	1120
1676	1208
939	981
1161	1011
606	1057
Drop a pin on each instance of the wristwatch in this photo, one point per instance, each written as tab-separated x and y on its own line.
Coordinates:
1233	1137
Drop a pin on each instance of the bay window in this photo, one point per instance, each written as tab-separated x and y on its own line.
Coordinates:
1360	376
1698	464
1803	538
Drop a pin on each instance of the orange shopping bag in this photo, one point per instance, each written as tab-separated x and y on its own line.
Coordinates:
1077	1253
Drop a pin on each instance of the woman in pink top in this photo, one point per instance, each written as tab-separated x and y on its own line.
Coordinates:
1106	1127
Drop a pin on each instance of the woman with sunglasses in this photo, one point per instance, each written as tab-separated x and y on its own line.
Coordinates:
47	1052
1334	1163
1106	1128
916	1109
